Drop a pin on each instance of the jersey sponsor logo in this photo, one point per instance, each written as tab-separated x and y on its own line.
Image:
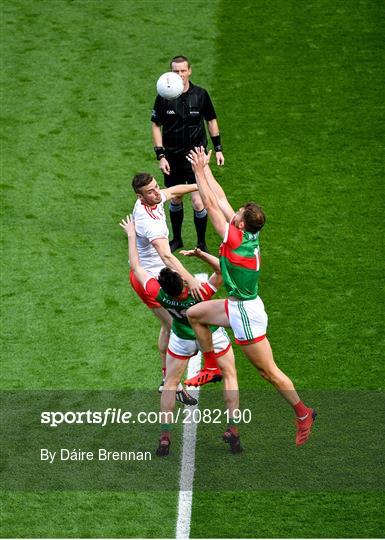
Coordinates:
170	112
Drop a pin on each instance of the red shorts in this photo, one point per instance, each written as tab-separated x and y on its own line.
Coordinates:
146	298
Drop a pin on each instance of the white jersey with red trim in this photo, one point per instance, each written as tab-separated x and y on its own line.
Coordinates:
150	223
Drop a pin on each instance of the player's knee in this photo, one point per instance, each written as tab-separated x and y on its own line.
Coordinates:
165	331
176	202
191	315
199	212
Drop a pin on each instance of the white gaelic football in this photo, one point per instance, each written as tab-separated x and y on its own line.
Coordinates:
169	85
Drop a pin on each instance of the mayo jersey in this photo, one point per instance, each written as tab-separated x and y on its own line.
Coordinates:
240	262
150	223
177	307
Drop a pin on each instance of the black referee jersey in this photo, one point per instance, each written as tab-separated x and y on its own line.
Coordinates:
182	119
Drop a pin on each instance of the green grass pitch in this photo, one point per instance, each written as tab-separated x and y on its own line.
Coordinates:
298	88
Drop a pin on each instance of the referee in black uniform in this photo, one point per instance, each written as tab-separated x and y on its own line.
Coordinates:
177	127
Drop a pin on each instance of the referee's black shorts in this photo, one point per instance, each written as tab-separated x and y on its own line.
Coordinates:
180	171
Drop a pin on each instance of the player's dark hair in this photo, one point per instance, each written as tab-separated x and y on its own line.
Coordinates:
178	59
254	217
170	281
140	180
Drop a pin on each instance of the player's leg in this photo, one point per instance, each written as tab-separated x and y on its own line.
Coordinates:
249	322
226	363
225	357
200	316
164	336
261	356
174	372
178	354
161	314
200	220
165	320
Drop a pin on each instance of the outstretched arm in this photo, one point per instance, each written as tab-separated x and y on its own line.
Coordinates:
163	248
128	226
198	160
217	189
179	190
207	257
216	278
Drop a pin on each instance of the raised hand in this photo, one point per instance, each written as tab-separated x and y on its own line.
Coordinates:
128	225
198	158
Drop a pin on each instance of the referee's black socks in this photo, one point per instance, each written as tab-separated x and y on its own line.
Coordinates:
176	218
200	221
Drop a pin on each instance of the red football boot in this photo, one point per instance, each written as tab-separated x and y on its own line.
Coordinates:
304	427
205	376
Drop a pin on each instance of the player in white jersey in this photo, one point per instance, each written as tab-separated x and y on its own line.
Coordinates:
154	253
150	224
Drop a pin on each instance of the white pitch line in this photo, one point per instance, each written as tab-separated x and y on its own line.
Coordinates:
187	467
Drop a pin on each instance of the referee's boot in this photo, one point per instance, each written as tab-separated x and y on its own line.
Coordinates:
176	243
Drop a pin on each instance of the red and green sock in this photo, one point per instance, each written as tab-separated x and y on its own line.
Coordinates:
165	431
232	427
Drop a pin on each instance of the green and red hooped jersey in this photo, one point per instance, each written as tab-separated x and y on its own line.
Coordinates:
177	307
240	261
